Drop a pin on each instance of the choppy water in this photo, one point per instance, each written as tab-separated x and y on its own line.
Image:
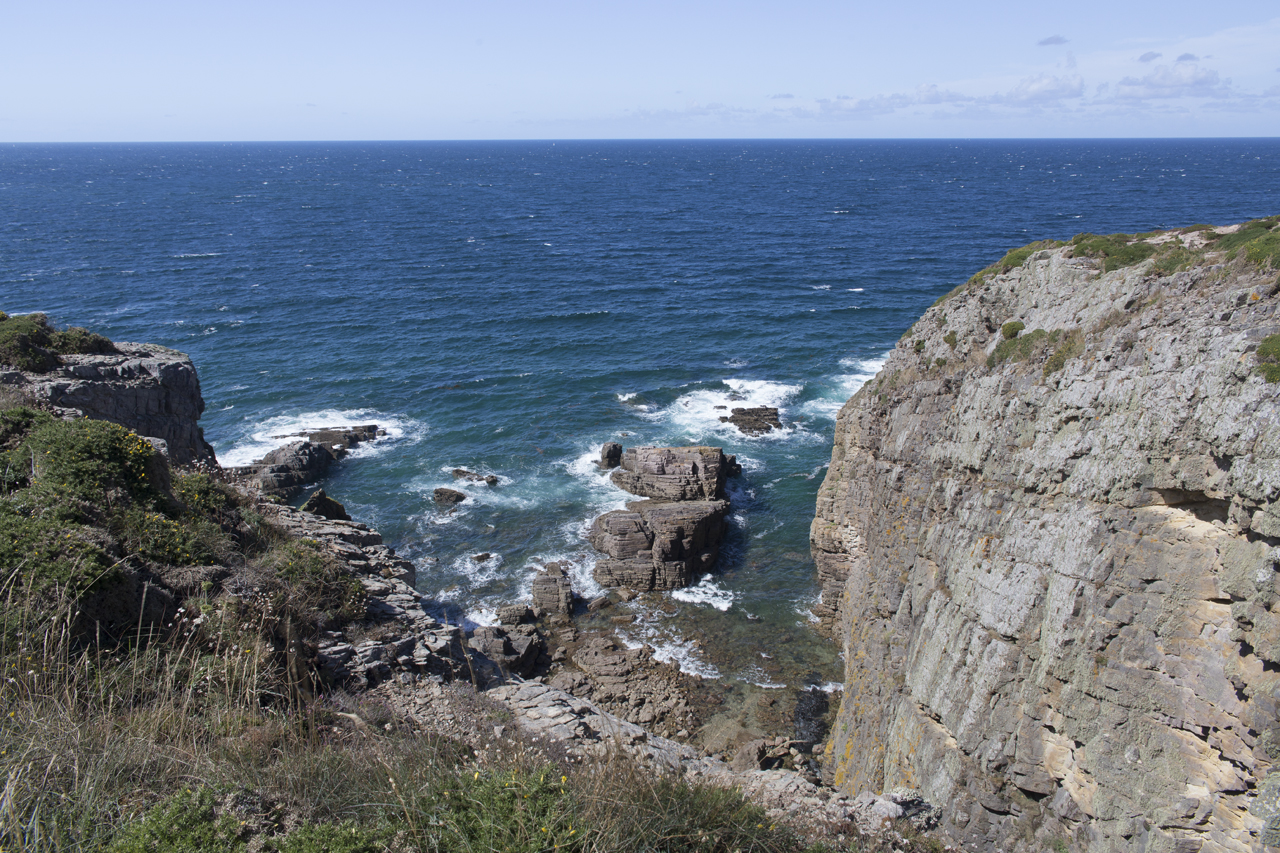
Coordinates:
508	307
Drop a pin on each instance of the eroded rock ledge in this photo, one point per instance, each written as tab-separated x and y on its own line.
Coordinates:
1048	545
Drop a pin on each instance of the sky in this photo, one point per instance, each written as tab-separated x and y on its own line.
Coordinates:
146	70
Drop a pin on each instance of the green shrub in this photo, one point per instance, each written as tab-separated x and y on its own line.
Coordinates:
314	584
1265	250
29	342
345	837
39	551
1018	349
1268	356
1010	330
1171	258
950	339
184	823
97	463
25	342
1071	345
1246	233
188	540
919	345
1115	250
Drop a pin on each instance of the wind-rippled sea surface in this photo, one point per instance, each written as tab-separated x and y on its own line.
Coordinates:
507	307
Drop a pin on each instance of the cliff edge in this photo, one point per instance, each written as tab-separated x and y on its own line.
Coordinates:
1048	545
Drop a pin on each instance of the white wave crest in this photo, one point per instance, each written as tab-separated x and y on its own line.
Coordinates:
706	592
264	436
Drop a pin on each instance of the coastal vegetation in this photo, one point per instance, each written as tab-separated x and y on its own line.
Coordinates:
159	692
29	342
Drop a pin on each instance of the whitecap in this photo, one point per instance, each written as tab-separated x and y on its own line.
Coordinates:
706	592
264	436
625	396
856	289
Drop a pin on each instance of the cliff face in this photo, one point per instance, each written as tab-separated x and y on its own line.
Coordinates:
1051	559
149	389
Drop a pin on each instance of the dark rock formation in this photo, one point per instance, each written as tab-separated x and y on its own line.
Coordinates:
473	477
149	389
658	544
610	455
756	421
1050	557
448	497
322	505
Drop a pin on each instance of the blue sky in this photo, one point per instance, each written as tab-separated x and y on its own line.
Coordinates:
494	69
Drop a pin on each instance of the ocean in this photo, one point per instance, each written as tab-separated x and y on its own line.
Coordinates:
507	307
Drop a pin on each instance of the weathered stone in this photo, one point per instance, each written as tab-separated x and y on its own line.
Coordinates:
1054	578
658	544
552	592
448	496
675	473
152	390
321	504
754	421
473	477
610	455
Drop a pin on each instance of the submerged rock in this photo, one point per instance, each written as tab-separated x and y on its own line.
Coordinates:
473	477
756	421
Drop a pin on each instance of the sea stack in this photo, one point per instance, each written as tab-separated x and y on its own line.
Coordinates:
665	542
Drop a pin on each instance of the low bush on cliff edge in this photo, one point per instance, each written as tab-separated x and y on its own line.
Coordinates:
29	342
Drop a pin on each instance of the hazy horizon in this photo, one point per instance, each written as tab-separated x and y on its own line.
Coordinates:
144	71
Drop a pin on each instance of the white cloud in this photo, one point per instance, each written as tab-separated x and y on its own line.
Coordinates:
1042	89
1149	56
1184	80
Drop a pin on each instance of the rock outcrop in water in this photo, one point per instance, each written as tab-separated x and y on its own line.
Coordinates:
1048	544
152	390
666	542
285	471
754	421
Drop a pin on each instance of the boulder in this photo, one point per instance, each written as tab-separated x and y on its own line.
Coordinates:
286	470
322	505
610	455
552	592
448	497
658	544
755	421
675	473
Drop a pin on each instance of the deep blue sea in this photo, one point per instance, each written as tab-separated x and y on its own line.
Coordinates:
507	307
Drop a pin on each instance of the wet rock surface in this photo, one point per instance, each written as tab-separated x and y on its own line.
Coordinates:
754	421
285	471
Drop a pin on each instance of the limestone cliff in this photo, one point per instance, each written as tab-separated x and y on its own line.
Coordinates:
1048	538
149	389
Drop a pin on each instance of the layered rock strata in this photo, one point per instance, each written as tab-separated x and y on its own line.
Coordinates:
1048	546
149	389
665	542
